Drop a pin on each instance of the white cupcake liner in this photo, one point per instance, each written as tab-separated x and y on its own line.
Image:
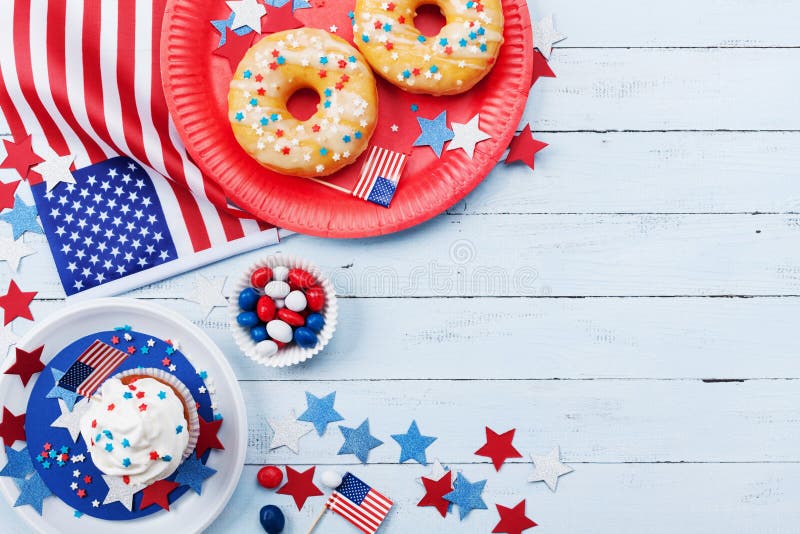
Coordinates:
290	354
183	391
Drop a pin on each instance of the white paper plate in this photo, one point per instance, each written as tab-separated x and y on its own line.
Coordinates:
192	512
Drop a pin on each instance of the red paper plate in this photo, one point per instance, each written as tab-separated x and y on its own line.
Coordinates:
196	87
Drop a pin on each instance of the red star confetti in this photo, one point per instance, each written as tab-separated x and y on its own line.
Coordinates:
20	156
16	303
26	364
435	490
208	438
234	48
541	69
7	191
513	520
158	493
300	485
498	447
523	147
279	19
12	427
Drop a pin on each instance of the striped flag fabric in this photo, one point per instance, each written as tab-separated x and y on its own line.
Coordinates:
83	78
92	368
379	175
360	504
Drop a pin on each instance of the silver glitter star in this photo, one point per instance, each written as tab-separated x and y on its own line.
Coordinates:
120	492
207	293
548	468
71	420
545	35
247	13
467	135
12	251
56	170
287	432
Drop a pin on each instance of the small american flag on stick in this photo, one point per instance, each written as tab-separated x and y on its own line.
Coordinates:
92	368
360	504
379	175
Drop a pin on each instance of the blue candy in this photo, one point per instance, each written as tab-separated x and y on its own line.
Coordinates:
315	322
248	299
259	333
305	337
272	519
247	318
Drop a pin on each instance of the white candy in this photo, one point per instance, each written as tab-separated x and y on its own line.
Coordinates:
296	301
277	289
266	348
331	479
280	273
279	331
280	303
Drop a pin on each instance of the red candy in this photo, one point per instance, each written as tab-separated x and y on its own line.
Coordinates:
315	296
291	317
301	279
265	308
260	277
270	476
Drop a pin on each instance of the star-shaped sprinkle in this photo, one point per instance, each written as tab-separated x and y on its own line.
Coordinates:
7	340
247	13
548	468
435	133
333	28
208	438
435	490
498	447
26	364
467	135
320	411
358	441
192	473
95	504
545	35
120	492
158	493
32	492
20	156
8	191
12	427
57	392
300	485
22	218
279	19
207	294
288	431
413	444
513	520
12	251
523	147
541	69
71	419
466	495
18	463
222	25
234	48
56	170
77	458
395	128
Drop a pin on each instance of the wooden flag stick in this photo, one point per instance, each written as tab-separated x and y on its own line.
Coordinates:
332	186
317	520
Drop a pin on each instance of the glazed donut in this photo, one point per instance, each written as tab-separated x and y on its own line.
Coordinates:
452	62
272	71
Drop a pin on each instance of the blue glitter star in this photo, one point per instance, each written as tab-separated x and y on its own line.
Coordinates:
192	473
320	411
221	25
22	218
413	444
18	465
69	397
466	495
435	133
296	4
358	441
32	491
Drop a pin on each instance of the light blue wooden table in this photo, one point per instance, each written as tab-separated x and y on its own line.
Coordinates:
635	300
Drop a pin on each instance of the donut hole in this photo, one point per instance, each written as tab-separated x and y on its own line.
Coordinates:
303	103
429	20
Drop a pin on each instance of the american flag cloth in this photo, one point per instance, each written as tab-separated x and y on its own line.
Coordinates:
359	504
83	78
379	175
92	368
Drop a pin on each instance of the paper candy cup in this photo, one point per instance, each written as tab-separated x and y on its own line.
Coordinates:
183	393
290	354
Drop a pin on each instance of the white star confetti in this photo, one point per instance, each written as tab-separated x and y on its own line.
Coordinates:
120	492
466	136
71	420
207	293
545	36
56	170
287	432
12	251
548	468
247	13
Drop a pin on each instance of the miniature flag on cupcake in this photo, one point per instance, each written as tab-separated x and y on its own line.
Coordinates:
360	504
92	368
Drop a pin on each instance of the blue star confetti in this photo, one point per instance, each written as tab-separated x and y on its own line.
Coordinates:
221	25
466	495
320	411
32	492
69	397
435	133
22	218
413	444
192	473
19	464
358	441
